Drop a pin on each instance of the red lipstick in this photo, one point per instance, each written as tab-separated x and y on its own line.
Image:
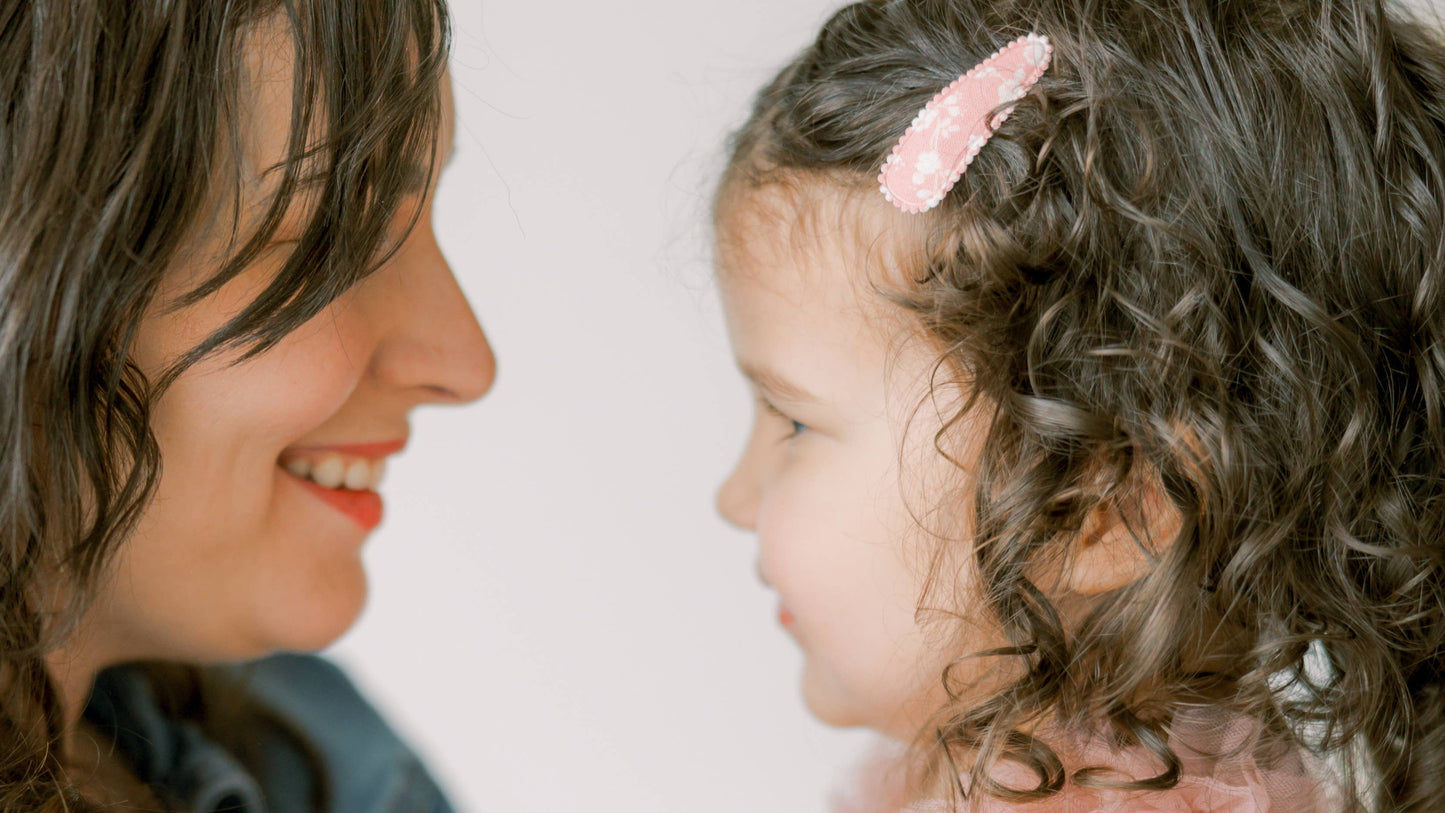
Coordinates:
364	507
360	502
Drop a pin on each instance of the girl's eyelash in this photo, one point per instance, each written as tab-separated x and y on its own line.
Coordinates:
798	426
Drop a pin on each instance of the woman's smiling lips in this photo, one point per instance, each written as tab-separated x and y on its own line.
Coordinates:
344	476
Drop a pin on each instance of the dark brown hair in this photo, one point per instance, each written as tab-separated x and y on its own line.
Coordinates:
119	141
1204	255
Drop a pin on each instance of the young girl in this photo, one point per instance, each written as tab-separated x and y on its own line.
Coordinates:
220	300
1099	455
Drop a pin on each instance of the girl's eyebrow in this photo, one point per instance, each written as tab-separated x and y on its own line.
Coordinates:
776	384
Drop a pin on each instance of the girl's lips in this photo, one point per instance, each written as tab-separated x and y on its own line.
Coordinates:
784	617
363	507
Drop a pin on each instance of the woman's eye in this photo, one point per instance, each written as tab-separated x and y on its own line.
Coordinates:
798	428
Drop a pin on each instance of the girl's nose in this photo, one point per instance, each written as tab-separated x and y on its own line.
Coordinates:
433	347
737	498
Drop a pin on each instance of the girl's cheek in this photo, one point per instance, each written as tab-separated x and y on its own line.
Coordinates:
776	536
791	550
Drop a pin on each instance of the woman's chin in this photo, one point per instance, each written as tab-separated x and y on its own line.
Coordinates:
310	622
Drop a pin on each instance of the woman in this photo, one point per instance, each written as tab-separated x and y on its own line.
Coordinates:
220	298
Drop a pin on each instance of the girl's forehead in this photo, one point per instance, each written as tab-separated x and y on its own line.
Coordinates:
805	270
815	235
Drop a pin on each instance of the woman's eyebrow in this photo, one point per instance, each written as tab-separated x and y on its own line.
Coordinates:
776	384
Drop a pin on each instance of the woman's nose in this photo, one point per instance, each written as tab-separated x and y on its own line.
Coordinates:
432	345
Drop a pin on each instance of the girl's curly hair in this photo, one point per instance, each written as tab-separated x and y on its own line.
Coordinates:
1205	254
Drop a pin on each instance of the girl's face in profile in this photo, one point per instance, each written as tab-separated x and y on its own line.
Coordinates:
838	381
270	466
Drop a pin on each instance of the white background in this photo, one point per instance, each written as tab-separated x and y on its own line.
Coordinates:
558	620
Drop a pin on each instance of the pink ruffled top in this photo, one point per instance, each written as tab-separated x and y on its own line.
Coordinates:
1221	774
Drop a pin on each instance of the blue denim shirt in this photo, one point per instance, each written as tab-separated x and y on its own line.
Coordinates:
369	769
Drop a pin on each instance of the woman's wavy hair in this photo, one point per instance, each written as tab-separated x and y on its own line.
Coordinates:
121	129
1205	256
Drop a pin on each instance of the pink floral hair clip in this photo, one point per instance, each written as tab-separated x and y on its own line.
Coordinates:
946	135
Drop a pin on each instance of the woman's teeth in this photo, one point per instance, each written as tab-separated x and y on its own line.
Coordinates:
334	471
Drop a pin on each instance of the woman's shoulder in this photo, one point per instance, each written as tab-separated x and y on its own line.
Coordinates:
368	766
284	734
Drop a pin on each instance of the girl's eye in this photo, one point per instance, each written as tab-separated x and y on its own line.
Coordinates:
798	426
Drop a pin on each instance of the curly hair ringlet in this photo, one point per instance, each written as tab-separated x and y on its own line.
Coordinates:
1204	257
121	142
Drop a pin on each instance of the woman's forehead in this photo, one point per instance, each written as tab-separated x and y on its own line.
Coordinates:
250	183
268	105
268	99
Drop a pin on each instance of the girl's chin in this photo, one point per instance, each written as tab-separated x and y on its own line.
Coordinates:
832	703
828	700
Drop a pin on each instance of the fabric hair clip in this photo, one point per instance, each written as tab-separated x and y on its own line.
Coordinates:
946	135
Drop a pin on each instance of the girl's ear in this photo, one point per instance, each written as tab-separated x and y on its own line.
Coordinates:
1121	541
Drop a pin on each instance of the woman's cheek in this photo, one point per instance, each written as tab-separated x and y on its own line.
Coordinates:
252	410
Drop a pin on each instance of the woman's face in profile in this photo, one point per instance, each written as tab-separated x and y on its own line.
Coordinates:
270	466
